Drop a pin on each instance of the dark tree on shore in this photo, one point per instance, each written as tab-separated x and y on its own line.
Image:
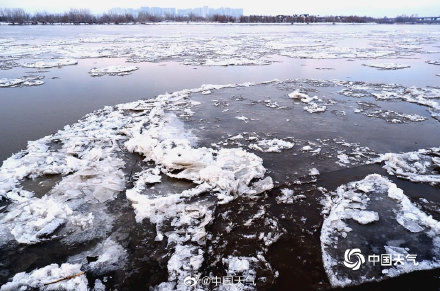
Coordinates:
14	16
83	16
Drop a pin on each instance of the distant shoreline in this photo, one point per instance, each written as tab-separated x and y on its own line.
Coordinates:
206	23
83	16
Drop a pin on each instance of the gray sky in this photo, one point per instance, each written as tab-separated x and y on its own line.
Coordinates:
273	7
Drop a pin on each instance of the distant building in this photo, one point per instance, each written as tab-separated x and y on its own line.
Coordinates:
158	11
204	11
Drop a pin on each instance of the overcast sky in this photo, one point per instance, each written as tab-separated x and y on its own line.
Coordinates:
273	7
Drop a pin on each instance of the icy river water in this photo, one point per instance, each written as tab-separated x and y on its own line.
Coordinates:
138	156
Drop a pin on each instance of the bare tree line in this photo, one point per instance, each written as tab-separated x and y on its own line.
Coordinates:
84	16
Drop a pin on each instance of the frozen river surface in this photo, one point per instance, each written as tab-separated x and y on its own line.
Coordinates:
313	140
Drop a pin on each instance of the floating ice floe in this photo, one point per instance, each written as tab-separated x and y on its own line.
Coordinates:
7	64
343	159
243	267
302	96
51	277
312	105
287	196
271	145
242	118
354	154
50	64
433	63
235	62
306	148
387	66
419	166
109	254
113	71
375	200
314	172
314	108
24	81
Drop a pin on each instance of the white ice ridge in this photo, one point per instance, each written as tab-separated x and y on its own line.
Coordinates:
387	66
355	201
225	173
50	63
113	71
39	279
85	156
87	159
23	81
418	166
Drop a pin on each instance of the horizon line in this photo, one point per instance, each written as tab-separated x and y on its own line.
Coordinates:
35	11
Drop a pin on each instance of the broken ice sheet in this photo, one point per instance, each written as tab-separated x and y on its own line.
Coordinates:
109	256
351	212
